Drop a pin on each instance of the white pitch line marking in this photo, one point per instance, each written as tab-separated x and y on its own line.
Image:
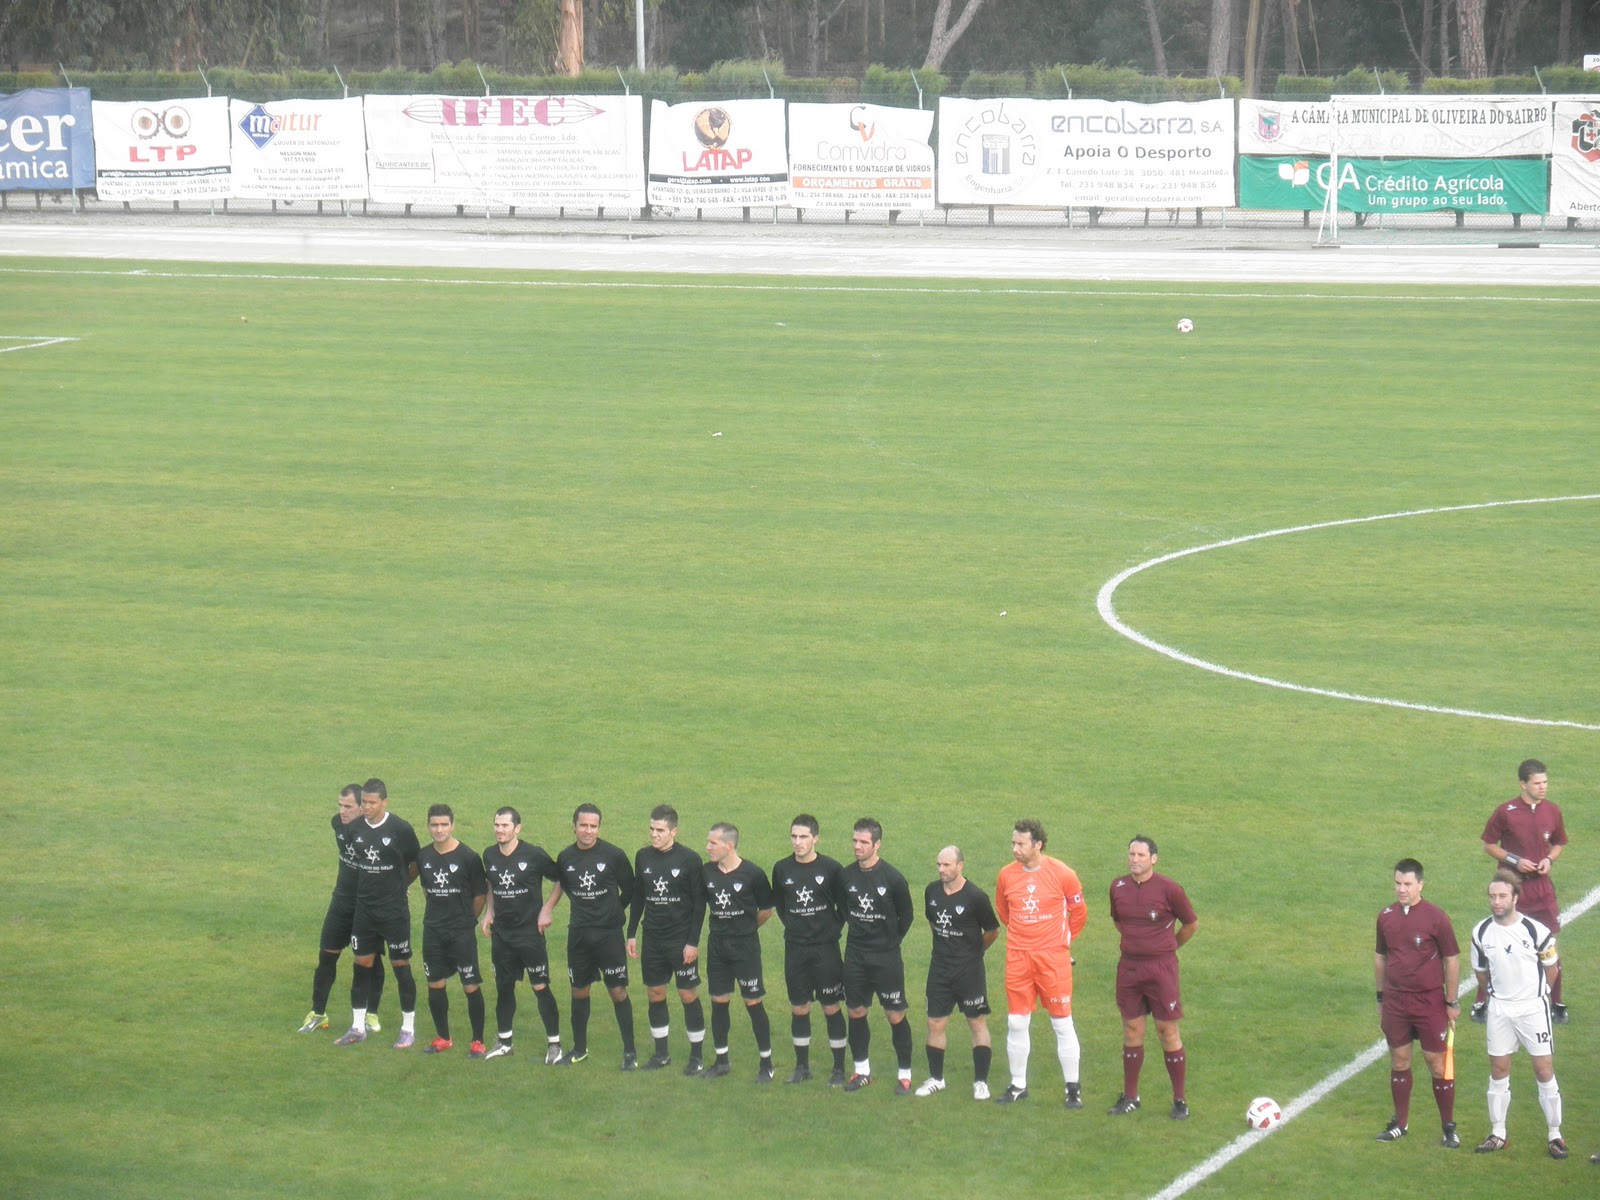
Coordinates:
1321	1088
1108	614
31	343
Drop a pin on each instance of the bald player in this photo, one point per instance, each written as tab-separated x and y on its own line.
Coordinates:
964	927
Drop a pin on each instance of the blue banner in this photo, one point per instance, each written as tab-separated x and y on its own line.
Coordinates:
46	140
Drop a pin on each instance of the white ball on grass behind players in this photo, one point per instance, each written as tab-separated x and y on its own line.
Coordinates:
1185	325
1263	1113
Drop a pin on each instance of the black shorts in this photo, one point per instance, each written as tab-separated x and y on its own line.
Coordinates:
661	962
597	954
813	969
880	973
735	960
450	952
339	923
965	986
518	951
372	931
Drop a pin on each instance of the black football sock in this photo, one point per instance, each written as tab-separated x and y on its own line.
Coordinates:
475	1013
624	1010
322	981
860	1039
439	1010
981	1056
549	1013
721	1022
580	1025
360	985
657	1016
505	1007
836	1036
936	1062
375	981
900	1036
800	1034
408	986
762	1026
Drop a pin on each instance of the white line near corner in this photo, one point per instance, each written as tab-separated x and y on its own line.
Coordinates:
1108	613
1372	1054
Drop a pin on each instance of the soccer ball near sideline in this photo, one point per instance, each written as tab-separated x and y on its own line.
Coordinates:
1263	1113
1185	326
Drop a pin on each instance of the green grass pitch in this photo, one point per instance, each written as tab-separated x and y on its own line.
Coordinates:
757	550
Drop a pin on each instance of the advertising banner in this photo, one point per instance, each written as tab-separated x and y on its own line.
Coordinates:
1285	127
46	140
720	155
162	149
860	156
1086	153
533	151
1404	185
1575	160
299	149
1441	126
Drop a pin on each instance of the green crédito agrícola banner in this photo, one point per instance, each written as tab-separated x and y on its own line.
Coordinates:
1397	185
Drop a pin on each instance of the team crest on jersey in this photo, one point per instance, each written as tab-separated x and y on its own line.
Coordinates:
385	841
522	866
599	866
454	867
882	891
738	887
674	872
1154	915
960	908
819	878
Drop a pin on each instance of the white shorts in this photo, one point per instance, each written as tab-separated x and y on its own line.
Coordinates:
1519	1021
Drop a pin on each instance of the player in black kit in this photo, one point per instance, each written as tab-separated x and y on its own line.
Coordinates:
738	904
337	922
879	913
805	888
386	859
669	895
452	879
598	879
514	922
964	925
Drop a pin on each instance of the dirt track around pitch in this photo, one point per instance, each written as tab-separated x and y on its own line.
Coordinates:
833	251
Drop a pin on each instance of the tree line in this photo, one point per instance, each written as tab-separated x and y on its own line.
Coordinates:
1251	39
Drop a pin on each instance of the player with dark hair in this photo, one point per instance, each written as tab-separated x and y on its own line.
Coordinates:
1526	835
386	859
669	896
597	877
453	883
1416	965
879	913
964	927
738	904
1040	902
516	871
1153	915
1515	960
337	923
806	889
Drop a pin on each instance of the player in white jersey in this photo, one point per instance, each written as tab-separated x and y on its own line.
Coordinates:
1515	960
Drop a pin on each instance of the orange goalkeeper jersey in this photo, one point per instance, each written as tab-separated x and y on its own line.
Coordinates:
1041	909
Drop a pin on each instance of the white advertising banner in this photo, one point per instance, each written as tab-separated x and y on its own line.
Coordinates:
1285	127
299	149
534	151
1438	126
723	154
860	156
1575	160
1086	153
162	149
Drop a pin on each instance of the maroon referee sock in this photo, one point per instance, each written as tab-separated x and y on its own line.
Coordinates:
1177	1069
1400	1085
1132	1063
1444	1095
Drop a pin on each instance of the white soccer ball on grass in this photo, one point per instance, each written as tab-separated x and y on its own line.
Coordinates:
1185	325
1263	1113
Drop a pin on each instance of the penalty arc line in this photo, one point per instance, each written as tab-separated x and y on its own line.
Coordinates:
1322	1088
1104	602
